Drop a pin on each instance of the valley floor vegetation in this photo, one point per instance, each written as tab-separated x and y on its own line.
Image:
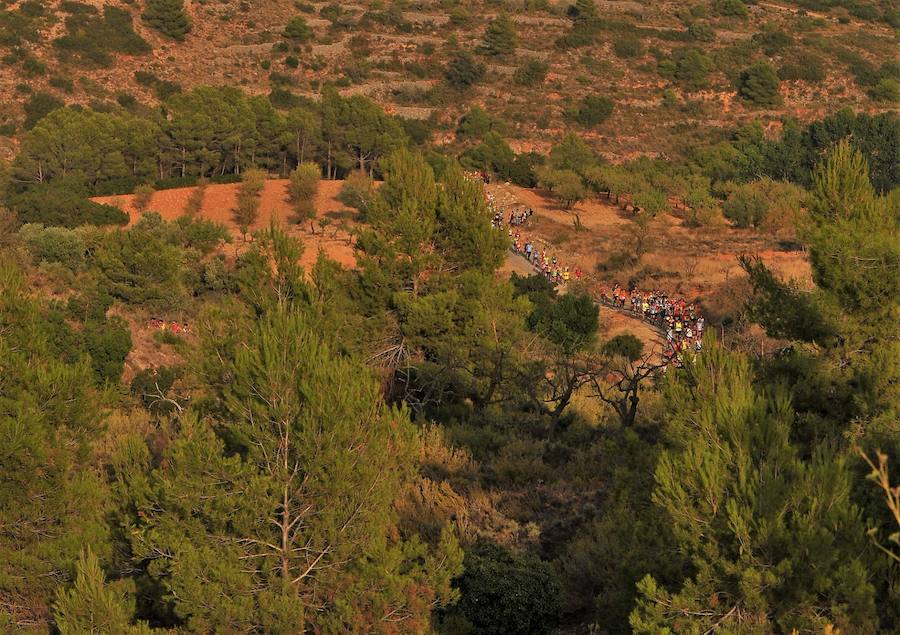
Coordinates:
418	444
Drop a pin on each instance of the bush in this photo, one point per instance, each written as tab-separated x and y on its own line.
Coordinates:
805	67
503	593
730	8
142	197
39	106
625	345
91	38
688	66
628	47
297	30
108	343
168	17
151	384
302	189
772	42
702	32
594	110
887	90
531	73
746	205
195	201
759	84
463	71
54	244
63	204
358	191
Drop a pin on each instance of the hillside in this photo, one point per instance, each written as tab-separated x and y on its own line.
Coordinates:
670	70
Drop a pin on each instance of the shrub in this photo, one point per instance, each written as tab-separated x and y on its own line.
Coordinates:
746	205
142	196
772	41
463	71
504	593
759	84
358	191
805	67
297	30
108	343
625	345
887	90
38	106
302	189
531	73
594	110
152	385
628	47
91	38
65	205
730	8
168	17
247	210
195	201
702	32
54	244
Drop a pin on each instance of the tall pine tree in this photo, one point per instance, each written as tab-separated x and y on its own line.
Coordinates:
772	539
277	515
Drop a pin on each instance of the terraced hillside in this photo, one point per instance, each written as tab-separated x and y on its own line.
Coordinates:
631	77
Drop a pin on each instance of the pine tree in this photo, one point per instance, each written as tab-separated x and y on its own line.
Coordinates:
773	540
168	17
283	520
500	37
52	504
92	606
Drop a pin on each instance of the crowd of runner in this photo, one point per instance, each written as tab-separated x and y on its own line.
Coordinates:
679	319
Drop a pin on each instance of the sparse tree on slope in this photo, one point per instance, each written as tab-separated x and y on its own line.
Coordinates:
168	17
500	37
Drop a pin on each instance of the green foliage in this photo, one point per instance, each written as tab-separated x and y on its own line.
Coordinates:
168	17
594	110
297	30
140	267
38	106
689	67
246	212
54	244
500	37
358	191
564	184
503	593
52	502
463	71
65	205
759	84
93	606
628	47
730	8
303	186
477	123
805	67
532	72
745	505
295	408
625	345
92	39
570	321
108	343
